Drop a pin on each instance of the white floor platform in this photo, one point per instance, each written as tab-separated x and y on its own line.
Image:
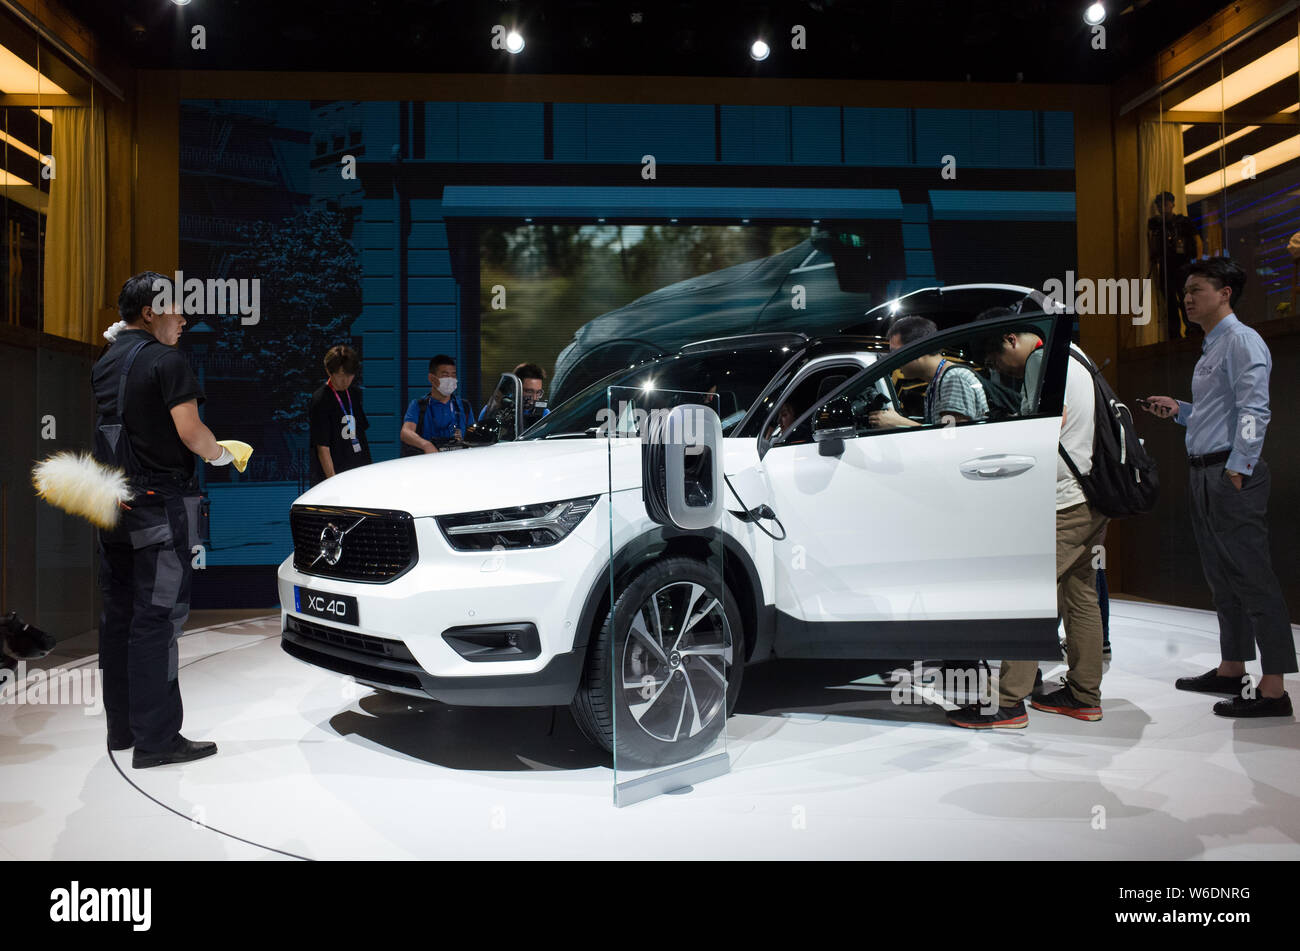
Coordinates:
312	766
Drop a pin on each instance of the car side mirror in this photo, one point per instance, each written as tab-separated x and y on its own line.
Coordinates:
503	415
831	425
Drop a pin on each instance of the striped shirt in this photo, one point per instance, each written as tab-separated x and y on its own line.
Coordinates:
959	393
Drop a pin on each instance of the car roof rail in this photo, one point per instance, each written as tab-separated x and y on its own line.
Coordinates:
780	339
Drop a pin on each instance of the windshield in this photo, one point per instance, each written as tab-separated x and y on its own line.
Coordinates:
736	375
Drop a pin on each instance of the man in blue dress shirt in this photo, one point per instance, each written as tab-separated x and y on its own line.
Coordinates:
1226	420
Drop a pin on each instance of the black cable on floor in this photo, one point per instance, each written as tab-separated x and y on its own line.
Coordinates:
157	802
229	835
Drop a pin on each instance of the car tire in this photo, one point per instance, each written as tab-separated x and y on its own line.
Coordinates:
646	730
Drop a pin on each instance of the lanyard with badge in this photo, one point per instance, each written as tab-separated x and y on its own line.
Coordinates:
349	430
932	391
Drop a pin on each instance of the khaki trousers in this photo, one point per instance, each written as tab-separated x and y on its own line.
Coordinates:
1078	530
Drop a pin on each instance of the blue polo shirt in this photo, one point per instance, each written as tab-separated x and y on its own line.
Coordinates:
440	419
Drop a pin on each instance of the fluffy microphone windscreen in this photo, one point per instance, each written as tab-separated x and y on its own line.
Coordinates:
79	485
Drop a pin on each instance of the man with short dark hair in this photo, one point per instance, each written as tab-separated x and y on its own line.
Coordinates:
1226	421
438	419
149	426
952	393
1079	529
1172	242
532	380
338	418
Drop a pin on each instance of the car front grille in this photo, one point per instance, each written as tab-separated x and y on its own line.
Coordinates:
371	660
367	644
373	545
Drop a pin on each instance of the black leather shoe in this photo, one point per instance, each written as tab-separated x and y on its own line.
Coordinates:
184	752
1210	682
1256	707
119	743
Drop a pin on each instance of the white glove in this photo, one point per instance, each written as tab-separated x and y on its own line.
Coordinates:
224	459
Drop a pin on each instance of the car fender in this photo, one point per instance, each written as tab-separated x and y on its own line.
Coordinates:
741	574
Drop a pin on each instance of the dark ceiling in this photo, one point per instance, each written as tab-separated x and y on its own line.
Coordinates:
1034	40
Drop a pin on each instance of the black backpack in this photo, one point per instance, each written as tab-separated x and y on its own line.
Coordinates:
1123	480
408	450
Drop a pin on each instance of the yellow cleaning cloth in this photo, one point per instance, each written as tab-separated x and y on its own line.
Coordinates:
240	450
79	485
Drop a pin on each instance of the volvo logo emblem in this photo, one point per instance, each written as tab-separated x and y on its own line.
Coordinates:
331	543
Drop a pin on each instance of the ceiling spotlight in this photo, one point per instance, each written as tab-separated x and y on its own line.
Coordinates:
759	50
514	41
1094	14
181	3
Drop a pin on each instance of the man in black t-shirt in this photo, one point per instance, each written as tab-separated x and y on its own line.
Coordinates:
149	426
338	419
1172	243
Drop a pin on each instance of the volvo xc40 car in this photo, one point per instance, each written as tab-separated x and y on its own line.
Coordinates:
484	577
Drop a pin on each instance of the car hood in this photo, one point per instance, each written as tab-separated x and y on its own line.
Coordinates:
468	480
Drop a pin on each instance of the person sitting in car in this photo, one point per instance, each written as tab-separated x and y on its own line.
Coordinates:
784	417
954	392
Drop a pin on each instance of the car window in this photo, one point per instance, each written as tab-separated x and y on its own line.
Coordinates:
980	373
788	404
733	378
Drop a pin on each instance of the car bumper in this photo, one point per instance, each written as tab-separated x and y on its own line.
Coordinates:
400	639
378	662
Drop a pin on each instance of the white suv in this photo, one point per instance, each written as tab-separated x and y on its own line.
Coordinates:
483	577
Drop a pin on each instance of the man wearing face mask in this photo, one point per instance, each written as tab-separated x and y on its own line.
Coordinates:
438	420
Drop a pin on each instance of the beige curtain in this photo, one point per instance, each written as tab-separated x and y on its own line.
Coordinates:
1160	169
73	262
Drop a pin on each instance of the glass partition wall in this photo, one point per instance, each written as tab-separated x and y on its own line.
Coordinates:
1219	174
52	231
52	190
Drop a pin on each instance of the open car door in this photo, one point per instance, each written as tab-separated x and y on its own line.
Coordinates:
936	540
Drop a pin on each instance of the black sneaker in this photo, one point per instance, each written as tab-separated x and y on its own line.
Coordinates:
1007	718
1258	706
1038	683
24	641
1064	702
1211	682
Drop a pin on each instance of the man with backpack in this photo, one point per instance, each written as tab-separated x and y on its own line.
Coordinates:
147	398
438	419
1226	420
1079	528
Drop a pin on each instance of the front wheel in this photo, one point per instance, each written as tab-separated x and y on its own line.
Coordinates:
665	669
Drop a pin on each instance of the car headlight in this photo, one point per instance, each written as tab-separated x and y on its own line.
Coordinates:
516	526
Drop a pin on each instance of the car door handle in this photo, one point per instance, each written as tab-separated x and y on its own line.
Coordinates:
1001	466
